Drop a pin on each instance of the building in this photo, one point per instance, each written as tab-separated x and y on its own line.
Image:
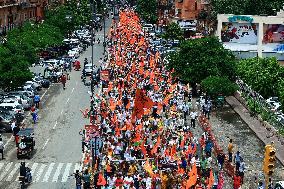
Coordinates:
251	36
187	13
14	12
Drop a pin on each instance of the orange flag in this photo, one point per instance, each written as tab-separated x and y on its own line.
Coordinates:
143	149
148	168
173	150
192	177
211	180
155	148
101	180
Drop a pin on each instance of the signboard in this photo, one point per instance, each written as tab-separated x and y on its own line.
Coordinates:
245	33
240	18
91	131
273	33
105	75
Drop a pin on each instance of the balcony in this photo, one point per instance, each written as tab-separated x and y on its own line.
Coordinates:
24	5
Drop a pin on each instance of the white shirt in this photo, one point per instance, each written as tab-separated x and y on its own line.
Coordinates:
127	181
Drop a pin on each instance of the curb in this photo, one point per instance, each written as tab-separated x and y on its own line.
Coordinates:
257	132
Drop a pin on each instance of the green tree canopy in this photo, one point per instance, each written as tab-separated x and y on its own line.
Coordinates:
147	10
214	86
198	59
173	31
263	75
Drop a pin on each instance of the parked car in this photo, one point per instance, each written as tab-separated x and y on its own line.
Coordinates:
14	106
35	85
5	122
279	185
274	103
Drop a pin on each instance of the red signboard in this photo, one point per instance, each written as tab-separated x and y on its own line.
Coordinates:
91	131
105	75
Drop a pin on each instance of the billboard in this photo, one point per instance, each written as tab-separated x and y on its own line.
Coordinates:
239	32
273	33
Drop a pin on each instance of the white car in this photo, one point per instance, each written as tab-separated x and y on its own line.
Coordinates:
14	106
279	185
72	54
88	69
274	103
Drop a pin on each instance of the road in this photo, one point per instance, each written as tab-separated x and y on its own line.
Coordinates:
58	143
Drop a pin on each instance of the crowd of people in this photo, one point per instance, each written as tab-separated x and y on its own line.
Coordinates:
141	114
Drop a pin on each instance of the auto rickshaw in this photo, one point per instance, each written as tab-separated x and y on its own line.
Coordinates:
25	143
77	65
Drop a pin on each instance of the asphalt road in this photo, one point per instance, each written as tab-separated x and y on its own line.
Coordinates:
58	143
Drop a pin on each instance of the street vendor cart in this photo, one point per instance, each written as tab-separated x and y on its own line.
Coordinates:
26	143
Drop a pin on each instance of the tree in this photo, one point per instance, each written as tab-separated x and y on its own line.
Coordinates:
262	74
246	7
147	10
173	31
214	86
198	59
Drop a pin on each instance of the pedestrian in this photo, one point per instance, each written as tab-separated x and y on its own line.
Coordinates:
36	100
237	181
242	169
193	116
221	159
63	80
237	160
78	180
34	115
2	148
230	150
86	179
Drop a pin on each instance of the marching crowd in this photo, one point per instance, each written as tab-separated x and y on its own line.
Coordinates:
142	116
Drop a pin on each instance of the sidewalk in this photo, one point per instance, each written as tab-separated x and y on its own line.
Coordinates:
257	127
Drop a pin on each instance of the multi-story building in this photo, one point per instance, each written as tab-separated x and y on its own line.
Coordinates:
14	12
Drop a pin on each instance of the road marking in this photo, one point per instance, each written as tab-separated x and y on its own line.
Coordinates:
48	172
44	93
61	112
11	174
5	171
73	90
57	172
54	125
34	168
67	100
8	141
45	143
66	172
76	83
1	165
77	167
39	173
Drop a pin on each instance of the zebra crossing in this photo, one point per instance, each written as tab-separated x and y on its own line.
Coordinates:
41	172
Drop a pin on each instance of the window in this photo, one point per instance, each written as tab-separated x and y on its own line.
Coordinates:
195	5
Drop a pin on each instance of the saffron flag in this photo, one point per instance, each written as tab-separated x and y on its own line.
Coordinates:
192	177
211	180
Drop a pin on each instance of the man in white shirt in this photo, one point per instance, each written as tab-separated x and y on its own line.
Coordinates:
111	181
193	116
127	181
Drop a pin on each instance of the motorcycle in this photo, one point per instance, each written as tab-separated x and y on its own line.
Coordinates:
25	177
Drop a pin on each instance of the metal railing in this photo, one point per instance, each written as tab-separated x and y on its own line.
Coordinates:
266	110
